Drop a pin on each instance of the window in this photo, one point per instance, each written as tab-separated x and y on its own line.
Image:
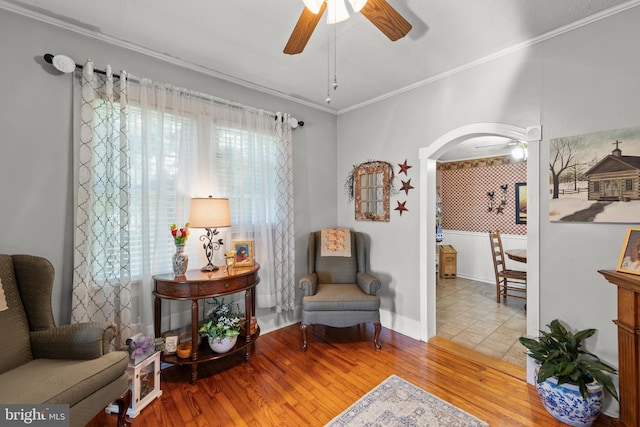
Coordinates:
628	184
154	174
248	192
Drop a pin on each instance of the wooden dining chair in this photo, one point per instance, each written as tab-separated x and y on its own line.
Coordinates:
509	282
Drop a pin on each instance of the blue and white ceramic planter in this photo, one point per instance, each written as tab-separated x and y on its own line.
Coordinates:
566	404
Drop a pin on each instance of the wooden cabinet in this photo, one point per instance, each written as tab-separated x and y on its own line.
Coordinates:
628	345
448	262
196	285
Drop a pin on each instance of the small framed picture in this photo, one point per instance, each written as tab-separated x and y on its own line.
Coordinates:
629	261
244	253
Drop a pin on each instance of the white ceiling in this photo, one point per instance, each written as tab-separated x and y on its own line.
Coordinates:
242	40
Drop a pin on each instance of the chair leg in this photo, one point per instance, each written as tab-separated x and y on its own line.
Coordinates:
303	331
376	337
123	405
498	299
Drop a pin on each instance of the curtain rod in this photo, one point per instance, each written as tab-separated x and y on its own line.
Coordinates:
49	59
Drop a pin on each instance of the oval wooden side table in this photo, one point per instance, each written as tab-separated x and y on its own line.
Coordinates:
196	285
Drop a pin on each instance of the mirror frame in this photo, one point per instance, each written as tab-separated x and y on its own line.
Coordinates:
368	169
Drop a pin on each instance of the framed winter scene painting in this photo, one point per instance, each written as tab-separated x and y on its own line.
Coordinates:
595	177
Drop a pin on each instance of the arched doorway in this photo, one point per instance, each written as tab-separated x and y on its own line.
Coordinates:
428	157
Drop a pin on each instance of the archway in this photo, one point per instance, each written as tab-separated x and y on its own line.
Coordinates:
428	157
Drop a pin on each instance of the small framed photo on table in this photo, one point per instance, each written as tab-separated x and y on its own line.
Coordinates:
244	253
629	261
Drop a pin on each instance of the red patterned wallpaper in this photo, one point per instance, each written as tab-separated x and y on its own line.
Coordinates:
464	187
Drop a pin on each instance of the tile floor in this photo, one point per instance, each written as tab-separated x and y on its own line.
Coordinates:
467	313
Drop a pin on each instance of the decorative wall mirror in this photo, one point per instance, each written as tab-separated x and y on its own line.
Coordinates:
371	187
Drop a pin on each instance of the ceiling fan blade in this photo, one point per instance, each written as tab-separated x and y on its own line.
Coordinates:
386	18
303	30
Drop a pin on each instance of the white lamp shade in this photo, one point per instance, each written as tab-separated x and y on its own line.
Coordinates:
313	5
336	11
209	213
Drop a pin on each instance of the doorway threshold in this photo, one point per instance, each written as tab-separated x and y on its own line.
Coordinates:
475	356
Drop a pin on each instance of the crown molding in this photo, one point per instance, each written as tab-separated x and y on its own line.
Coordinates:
527	43
12	7
88	32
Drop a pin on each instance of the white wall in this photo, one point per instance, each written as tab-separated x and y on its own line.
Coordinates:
474	255
582	81
36	211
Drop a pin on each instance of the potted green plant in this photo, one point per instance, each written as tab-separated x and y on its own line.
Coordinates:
570	380
222	326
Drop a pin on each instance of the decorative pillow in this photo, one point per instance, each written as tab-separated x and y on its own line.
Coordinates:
3	300
335	242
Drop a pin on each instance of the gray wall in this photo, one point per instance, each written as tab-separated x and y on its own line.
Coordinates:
583	81
36	184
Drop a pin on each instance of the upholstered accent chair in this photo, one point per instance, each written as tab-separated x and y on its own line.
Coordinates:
44	364
338	292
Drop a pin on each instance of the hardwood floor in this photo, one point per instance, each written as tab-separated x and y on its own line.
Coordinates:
281	386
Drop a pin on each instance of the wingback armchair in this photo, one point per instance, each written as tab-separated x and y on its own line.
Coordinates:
338	292
44	364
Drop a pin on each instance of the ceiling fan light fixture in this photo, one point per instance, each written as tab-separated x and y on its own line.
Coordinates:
336	11
313	5
520	152
357	5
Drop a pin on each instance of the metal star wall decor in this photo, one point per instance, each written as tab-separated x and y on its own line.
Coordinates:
401	207
404	167
406	186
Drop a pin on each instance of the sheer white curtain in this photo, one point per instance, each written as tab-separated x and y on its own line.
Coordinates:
180	144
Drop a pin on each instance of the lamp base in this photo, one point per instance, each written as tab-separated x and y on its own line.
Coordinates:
210	267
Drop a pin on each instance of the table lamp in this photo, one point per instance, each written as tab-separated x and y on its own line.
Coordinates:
209	213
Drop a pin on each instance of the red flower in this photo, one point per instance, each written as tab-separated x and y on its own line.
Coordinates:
180	235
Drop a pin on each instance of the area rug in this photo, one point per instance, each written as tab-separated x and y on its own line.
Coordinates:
396	402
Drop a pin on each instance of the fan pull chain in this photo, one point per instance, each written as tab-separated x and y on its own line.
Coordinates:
328	98
333	84
335	58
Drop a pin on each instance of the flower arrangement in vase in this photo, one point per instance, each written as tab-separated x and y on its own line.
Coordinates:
222	326
180	235
180	258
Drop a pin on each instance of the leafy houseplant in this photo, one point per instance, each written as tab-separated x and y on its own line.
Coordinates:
560	355
223	321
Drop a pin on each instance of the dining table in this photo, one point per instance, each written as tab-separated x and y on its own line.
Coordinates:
519	255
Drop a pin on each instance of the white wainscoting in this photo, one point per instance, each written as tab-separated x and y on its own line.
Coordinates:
474	253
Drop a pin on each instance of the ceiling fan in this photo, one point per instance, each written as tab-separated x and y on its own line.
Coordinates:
378	12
